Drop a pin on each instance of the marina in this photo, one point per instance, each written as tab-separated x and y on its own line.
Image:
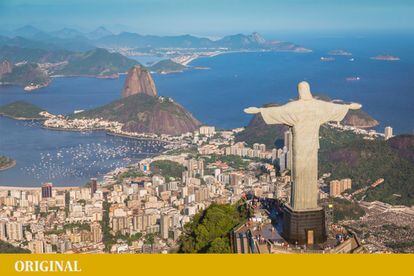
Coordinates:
66	158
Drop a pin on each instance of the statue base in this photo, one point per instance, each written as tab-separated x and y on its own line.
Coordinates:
304	227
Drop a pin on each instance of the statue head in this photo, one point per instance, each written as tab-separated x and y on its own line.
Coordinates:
304	91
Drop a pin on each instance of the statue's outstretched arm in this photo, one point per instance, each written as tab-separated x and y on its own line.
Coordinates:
334	112
274	114
355	106
252	110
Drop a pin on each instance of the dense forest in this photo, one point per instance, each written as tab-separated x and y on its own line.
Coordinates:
364	161
208	231
8	248
167	168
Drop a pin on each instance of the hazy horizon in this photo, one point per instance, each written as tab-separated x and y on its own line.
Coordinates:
210	18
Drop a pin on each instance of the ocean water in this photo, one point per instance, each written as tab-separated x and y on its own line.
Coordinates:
216	96
235	81
64	158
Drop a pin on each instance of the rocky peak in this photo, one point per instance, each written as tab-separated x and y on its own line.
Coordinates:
5	67
258	38
359	118
139	81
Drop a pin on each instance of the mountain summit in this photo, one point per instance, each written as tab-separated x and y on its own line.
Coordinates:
141	110
258	38
139	81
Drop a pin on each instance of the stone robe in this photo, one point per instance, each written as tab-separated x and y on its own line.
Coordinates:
305	118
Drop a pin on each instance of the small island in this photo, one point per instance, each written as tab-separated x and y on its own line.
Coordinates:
167	66
339	53
326	59
6	163
21	110
386	58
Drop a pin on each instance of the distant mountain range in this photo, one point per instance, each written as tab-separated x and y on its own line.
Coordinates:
96	62
74	40
253	41
71	52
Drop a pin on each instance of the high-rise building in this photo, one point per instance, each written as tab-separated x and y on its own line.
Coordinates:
195	168
96	232
334	188
164	225
387	132
288	145
14	231
207	130
119	224
217	173
337	187
3	230
36	247
282	161
346	184
274	154
94	185
235	178
201	194
262	147
47	190
288	139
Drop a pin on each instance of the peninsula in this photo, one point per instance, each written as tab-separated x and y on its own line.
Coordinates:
21	110
139	113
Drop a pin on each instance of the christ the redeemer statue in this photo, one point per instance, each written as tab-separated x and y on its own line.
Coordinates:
304	116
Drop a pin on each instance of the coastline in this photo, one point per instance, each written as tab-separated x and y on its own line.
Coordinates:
190	58
29	88
22	118
111	77
107	132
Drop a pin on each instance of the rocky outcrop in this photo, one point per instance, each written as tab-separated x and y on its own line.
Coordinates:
146	114
141	110
5	67
165	117
359	119
139	81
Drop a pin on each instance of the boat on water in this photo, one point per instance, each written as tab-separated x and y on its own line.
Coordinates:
356	78
327	59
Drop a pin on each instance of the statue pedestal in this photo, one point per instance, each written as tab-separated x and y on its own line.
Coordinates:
304	227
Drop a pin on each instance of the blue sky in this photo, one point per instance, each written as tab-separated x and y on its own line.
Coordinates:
212	17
